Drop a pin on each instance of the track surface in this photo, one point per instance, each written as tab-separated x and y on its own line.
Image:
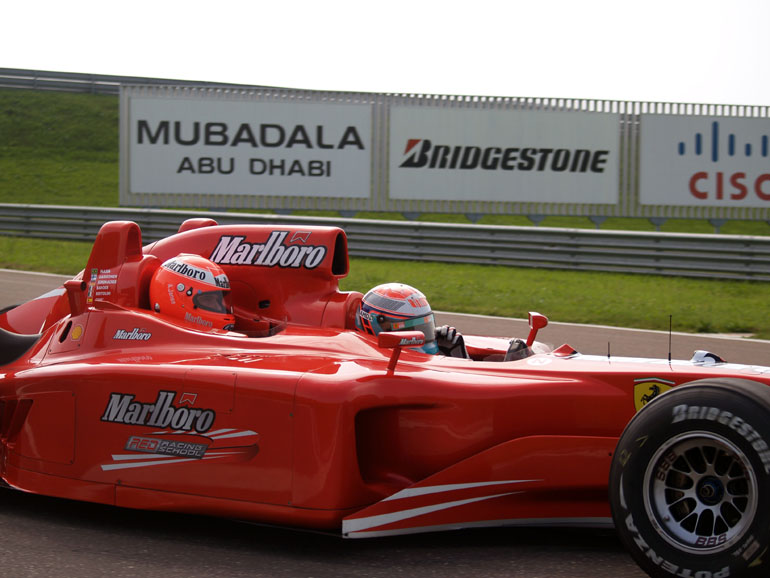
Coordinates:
46	537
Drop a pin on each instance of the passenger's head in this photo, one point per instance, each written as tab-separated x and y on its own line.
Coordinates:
397	307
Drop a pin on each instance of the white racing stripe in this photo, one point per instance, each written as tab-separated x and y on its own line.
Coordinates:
673	363
426	490
125	466
360	524
158	460
236	434
515	522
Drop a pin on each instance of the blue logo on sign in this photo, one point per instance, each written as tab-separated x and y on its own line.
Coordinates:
713	146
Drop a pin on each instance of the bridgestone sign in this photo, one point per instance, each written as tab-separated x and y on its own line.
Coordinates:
503	155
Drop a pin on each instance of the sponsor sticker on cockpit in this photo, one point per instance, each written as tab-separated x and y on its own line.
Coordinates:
276	251
122	408
158	446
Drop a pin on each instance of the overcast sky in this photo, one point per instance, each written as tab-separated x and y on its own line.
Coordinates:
704	51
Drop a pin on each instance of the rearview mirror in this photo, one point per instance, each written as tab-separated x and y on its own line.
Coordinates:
395	340
536	323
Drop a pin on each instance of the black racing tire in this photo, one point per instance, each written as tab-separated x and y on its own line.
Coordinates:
690	481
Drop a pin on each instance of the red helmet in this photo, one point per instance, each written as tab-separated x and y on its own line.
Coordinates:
193	290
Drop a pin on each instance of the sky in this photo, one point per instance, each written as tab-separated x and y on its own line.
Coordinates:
699	51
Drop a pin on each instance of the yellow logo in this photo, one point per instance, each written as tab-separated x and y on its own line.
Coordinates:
648	388
77	331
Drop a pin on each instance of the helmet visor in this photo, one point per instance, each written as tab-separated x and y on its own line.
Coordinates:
425	324
214	301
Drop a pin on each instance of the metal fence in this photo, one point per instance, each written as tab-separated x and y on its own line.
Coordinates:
80	82
687	255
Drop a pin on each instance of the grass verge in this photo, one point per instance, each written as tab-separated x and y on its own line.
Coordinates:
616	299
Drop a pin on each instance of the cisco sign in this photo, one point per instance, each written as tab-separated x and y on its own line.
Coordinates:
705	161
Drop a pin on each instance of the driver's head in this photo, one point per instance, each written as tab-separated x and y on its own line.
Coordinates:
194	291
397	307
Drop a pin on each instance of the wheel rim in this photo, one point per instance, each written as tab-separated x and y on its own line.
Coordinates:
700	492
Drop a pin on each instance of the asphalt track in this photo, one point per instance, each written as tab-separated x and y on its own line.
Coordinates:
47	537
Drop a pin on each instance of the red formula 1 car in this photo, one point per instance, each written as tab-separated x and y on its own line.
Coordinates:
295	418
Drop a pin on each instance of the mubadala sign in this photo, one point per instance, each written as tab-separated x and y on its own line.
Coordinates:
209	145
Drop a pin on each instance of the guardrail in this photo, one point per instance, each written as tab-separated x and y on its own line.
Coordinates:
677	254
80	82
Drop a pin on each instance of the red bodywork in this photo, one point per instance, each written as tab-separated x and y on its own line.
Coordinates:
295	418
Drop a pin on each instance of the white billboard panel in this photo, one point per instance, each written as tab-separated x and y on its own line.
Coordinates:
503	155
704	161
248	147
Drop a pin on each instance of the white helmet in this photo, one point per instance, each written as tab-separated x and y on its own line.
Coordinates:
397	307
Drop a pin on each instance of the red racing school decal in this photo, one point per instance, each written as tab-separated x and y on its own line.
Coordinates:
151	445
162	413
168	448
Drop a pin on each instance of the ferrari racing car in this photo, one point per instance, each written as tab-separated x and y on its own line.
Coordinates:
291	415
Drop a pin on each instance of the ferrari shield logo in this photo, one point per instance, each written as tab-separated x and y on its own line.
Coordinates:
648	388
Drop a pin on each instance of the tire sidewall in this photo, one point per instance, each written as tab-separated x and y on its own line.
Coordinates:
734	411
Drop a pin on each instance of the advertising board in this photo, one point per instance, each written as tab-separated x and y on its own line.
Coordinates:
233	146
704	161
503	155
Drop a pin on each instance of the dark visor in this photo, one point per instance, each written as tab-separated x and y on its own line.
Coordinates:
211	301
425	324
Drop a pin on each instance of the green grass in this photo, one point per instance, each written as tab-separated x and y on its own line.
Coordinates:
622	300
59	148
63	257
